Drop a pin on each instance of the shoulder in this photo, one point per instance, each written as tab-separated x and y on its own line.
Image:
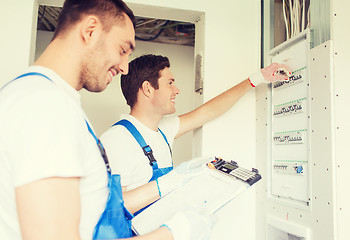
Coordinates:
169	122
115	133
36	91
170	125
118	141
40	105
47	124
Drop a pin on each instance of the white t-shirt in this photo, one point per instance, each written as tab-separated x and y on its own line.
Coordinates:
126	157
44	134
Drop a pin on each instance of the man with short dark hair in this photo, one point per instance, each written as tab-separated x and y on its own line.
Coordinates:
150	91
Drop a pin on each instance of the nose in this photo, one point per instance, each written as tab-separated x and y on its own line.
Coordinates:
176	90
123	67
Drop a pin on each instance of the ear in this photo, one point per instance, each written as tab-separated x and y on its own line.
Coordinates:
147	89
90	29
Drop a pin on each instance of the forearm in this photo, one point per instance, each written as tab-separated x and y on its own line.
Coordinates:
223	102
140	197
213	108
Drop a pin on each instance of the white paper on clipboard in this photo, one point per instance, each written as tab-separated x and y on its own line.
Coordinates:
206	193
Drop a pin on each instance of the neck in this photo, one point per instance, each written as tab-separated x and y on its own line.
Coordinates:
61	58
148	118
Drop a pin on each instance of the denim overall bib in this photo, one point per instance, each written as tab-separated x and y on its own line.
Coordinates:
115	221
157	172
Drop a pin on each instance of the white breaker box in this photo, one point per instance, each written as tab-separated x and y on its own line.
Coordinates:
290	127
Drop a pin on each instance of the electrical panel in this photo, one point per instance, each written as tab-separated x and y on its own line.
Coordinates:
290	120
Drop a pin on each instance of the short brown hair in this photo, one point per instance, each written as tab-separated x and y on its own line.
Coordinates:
73	10
144	68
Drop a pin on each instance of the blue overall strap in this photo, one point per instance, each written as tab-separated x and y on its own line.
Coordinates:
25	75
115	221
147	150
33	74
166	140
100	147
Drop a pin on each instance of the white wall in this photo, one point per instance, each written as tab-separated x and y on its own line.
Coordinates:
17	24
341	54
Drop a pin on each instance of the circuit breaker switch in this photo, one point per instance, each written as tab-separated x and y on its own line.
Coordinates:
299	169
289	168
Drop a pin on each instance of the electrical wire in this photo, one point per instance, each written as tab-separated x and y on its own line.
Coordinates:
299	16
294	16
155	36
308	18
145	22
288	21
303	17
163	26
291	18
42	14
156	27
285	18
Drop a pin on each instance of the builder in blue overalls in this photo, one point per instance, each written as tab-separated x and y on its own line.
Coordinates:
150	91
54	173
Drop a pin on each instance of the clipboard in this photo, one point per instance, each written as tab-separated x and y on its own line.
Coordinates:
206	193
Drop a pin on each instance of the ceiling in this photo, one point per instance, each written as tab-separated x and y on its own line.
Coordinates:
147	29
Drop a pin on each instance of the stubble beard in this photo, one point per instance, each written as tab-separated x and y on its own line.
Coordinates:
90	78
93	75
